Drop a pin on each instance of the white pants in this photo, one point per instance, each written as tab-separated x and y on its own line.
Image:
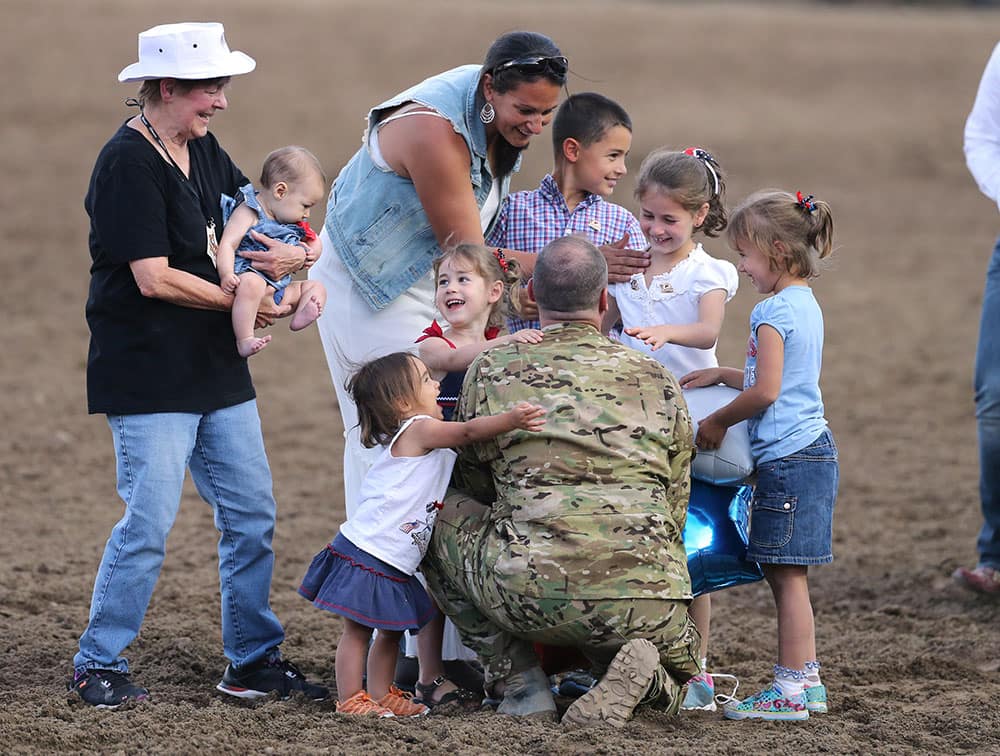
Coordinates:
352	334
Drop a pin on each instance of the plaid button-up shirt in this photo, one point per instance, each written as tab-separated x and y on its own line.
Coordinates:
529	220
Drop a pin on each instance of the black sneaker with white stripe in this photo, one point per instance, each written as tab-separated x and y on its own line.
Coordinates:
107	689
269	676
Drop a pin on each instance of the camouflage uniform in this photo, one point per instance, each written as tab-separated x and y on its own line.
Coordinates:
582	545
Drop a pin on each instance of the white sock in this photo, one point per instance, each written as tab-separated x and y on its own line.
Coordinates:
790	682
812	674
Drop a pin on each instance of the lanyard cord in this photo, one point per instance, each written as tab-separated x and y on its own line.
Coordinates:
132	102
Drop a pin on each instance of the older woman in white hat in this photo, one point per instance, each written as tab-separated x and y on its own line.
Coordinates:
164	369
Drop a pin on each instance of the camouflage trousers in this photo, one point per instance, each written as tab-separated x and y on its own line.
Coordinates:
502	626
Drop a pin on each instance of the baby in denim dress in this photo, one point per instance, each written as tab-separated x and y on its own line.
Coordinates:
292	181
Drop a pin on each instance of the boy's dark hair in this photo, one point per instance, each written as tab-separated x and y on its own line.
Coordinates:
586	117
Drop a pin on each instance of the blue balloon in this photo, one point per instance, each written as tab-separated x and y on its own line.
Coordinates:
716	536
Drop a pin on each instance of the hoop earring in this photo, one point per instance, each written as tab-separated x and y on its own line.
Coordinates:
487	114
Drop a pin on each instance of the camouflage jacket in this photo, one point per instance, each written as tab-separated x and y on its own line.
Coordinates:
594	505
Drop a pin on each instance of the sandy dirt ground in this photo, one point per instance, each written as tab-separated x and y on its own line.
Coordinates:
862	105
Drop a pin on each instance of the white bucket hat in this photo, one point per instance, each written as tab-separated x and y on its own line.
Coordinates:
186	51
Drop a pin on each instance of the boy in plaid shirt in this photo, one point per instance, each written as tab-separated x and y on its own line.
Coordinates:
591	136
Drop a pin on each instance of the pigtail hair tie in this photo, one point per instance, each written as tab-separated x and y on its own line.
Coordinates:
806	203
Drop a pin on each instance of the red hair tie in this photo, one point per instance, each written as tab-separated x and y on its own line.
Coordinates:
806	203
501	259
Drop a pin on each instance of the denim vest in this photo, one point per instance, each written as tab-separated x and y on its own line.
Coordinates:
374	217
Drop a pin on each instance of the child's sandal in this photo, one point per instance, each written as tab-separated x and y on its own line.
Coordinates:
464	699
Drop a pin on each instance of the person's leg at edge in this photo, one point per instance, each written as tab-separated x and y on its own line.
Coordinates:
231	472
151	452
987	385
461	537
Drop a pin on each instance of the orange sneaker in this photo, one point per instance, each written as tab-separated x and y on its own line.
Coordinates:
400	703
363	704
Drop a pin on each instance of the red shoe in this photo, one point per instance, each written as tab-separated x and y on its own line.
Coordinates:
981	579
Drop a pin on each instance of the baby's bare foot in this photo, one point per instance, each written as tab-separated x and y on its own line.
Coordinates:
251	345
308	310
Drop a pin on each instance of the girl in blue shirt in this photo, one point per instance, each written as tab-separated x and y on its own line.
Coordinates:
780	240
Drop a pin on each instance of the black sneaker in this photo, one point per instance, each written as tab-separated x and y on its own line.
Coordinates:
107	689
265	677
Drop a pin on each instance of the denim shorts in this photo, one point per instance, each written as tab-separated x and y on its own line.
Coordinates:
791	516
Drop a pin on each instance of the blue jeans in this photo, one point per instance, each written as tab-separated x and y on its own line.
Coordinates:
224	450
988	415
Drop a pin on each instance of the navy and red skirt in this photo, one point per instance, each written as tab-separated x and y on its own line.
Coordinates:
348	581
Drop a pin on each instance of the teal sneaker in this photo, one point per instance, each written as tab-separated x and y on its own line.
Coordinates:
769	704
699	693
816	699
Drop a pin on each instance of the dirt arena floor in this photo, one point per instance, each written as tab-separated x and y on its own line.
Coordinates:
861	104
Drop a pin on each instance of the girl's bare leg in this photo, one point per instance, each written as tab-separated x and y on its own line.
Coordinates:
248	296
701	614
429	641
350	662
382	662
796	628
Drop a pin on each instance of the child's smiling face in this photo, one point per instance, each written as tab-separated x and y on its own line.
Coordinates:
463	295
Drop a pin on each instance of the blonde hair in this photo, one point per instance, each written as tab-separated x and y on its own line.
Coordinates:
486	261
689	180
290	164
804	226
379	389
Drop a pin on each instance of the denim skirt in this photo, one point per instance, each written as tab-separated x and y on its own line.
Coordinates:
350	582
791	515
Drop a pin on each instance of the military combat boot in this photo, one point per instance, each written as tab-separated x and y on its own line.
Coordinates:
527	694
621	689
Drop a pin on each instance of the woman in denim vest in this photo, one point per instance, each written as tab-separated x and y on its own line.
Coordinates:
434	167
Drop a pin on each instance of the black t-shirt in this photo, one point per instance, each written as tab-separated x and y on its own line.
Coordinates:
148	355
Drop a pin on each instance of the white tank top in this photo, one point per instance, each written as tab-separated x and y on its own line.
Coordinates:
399	501
492	203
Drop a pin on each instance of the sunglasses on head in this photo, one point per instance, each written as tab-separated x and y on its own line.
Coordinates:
536	65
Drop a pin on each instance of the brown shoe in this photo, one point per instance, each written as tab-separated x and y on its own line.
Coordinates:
625	683
981	579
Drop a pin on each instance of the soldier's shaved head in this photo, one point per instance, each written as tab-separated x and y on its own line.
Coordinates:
569	276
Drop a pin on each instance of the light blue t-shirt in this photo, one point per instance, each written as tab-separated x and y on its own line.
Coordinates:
795	419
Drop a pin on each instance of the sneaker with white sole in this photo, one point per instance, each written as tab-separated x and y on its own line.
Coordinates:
770	704
816	699
269	676
401	703
106	689
623	686
363	705
699	693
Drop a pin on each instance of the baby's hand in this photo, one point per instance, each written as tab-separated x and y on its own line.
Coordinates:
529	417
526	336
654	336
230	283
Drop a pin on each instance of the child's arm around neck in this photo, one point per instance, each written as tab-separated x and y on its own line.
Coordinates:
428	433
